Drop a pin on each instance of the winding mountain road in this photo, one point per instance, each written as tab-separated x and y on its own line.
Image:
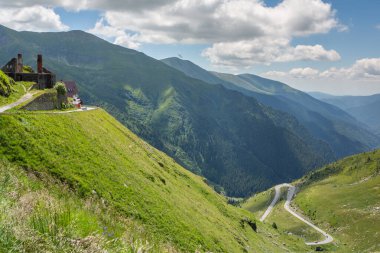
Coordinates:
291	192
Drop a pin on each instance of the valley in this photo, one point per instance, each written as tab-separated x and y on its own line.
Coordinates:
205	128
342	193
106	149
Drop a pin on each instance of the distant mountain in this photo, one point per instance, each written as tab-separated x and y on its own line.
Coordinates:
320	95
341	131
230	138
364	108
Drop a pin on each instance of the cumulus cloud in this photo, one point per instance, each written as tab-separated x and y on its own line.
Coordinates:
34	18
120	36
241	32
298	73
234	20
368	68
265	50
104	5
364	69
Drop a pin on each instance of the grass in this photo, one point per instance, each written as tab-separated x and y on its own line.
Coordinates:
342	198
283	219
18	90
40	214
96	157
345	199
259	202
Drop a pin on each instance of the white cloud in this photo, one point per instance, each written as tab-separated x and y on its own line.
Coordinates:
214	21
377	27
34	18
241	32
304	73
104	5
119	36
297	73
265	50
367	69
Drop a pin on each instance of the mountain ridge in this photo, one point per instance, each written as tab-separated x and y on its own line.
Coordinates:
324	121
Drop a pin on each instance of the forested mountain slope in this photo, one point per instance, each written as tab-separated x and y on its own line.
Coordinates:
224	135
341	131
364	108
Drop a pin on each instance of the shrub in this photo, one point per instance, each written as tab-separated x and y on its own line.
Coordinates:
6	84
61	89
27	69
274	225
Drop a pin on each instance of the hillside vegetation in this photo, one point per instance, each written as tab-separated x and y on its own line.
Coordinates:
96	159
231	139
41	214
342	198
11	91
344	134
6	85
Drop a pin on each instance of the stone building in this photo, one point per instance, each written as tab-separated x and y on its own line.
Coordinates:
43	78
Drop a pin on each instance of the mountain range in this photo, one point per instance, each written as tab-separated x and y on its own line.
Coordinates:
342	131
363	108
239	144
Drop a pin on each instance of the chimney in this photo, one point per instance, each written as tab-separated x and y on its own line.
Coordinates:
20	65
39	63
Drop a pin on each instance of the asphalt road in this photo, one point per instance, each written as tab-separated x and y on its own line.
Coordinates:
291	192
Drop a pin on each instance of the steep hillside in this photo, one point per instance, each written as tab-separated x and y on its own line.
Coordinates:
342	132
10	91
41	214
230	138
363	108
97	160
342	198
6	85
369	114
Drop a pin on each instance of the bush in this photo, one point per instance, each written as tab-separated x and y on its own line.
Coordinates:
27	69
61	89
6	84
274	225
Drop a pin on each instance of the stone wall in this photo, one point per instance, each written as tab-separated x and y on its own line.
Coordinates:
47	101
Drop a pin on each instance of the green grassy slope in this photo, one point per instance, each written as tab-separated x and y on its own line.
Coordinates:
41	214
11	91
342	198
230	138
95	155
6	85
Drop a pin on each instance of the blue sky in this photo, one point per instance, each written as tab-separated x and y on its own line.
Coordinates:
313	45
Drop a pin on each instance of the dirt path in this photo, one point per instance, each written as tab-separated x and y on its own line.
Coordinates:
23	99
